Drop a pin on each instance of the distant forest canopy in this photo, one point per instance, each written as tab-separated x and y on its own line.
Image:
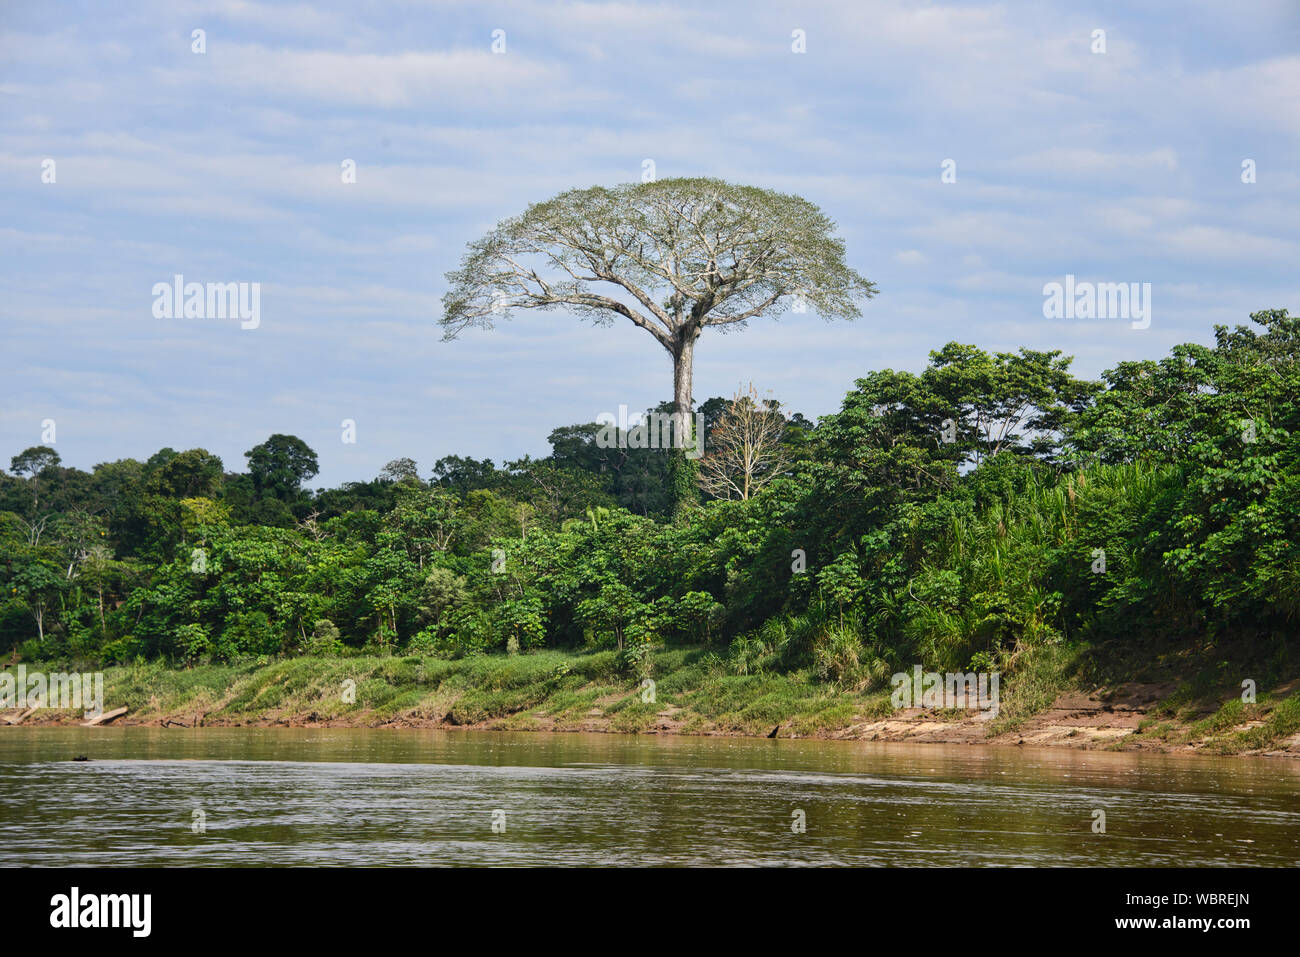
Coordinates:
954	518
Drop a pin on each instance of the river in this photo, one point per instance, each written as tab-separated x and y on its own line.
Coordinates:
220	797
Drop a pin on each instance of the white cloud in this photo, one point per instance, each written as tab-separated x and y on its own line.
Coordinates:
452	78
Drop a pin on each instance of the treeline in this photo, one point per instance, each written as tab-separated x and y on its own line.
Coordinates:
991	504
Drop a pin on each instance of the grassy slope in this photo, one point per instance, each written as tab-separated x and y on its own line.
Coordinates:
542	690
695	694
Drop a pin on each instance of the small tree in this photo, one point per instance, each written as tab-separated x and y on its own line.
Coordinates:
32	462
747	450
441	593
38	586
400	470
325	641
422	521
280	465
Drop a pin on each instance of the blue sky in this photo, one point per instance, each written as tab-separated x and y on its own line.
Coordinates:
1123	166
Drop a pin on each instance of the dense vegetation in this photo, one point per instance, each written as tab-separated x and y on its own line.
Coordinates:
990	506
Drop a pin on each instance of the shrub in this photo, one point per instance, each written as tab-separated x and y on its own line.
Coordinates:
193	642
325	641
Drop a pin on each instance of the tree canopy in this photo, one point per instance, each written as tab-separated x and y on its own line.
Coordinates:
673	257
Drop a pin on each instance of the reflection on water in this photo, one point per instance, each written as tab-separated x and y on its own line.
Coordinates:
271	796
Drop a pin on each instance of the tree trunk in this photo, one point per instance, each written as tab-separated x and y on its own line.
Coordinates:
683	370
682	470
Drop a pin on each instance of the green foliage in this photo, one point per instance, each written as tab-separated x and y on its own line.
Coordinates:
248	633
280	465
193	642
1154	512
324	641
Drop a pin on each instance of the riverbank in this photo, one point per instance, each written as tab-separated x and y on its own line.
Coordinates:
694	694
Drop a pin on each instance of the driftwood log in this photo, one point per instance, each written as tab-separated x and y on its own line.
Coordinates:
104	718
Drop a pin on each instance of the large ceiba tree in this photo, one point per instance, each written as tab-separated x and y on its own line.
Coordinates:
674	257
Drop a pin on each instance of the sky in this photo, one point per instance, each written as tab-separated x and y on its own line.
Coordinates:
226	165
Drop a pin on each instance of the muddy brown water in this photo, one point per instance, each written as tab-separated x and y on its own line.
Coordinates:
153	796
